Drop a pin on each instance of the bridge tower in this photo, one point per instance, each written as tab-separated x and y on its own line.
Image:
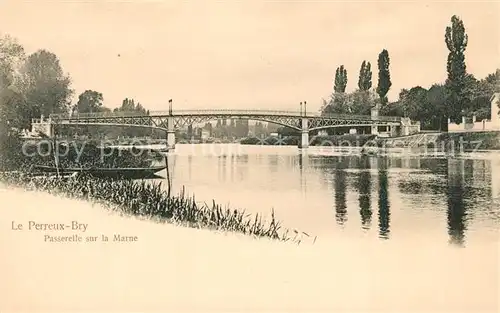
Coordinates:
170	128
304	138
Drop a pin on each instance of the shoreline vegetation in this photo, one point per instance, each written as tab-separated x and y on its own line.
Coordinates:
148	200
140	198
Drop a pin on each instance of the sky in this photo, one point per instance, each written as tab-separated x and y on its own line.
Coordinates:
247	54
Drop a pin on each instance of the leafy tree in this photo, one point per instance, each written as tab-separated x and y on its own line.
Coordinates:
392	109
340	80
365	76
129	106
12	57
458	96
494	80
11	108
338	104
44	85
360	102
11	101
384	76
89	101
414	102
436	110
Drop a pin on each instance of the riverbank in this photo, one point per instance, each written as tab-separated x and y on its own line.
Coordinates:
445	142
139	198
172	268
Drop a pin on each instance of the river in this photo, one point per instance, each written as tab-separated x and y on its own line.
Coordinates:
394	234
328	194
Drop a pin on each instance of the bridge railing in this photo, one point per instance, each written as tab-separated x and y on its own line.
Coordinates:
224	112
95	115
228	112
358	117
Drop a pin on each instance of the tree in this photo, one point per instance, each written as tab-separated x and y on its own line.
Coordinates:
12	106
89	101
340	79
414	103
494	80
392	109
361	102
365	76
384	76
337	105
357	102
12	57
128	105
436	113
44	85
456	41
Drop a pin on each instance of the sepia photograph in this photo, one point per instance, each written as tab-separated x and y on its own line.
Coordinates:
249	156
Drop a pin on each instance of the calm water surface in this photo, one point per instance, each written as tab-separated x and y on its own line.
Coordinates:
327	194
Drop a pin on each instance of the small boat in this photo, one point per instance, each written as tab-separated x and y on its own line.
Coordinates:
132	173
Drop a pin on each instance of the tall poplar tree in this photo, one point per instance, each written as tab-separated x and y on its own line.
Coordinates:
384	76
365	76
456	41
340	79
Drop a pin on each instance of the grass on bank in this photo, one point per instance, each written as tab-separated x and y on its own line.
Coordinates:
151	201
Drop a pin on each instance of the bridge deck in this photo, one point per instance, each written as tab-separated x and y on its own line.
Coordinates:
228	113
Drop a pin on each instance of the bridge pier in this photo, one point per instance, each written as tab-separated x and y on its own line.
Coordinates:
170	133
304	138
170	140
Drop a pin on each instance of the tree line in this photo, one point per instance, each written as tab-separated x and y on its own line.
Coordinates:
35	85
461	95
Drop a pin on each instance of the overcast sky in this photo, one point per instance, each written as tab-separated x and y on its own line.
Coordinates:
246	54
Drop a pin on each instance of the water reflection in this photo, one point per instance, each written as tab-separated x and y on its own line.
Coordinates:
222	167
451	196
340	190
365	189
456	212
495	178
384	213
